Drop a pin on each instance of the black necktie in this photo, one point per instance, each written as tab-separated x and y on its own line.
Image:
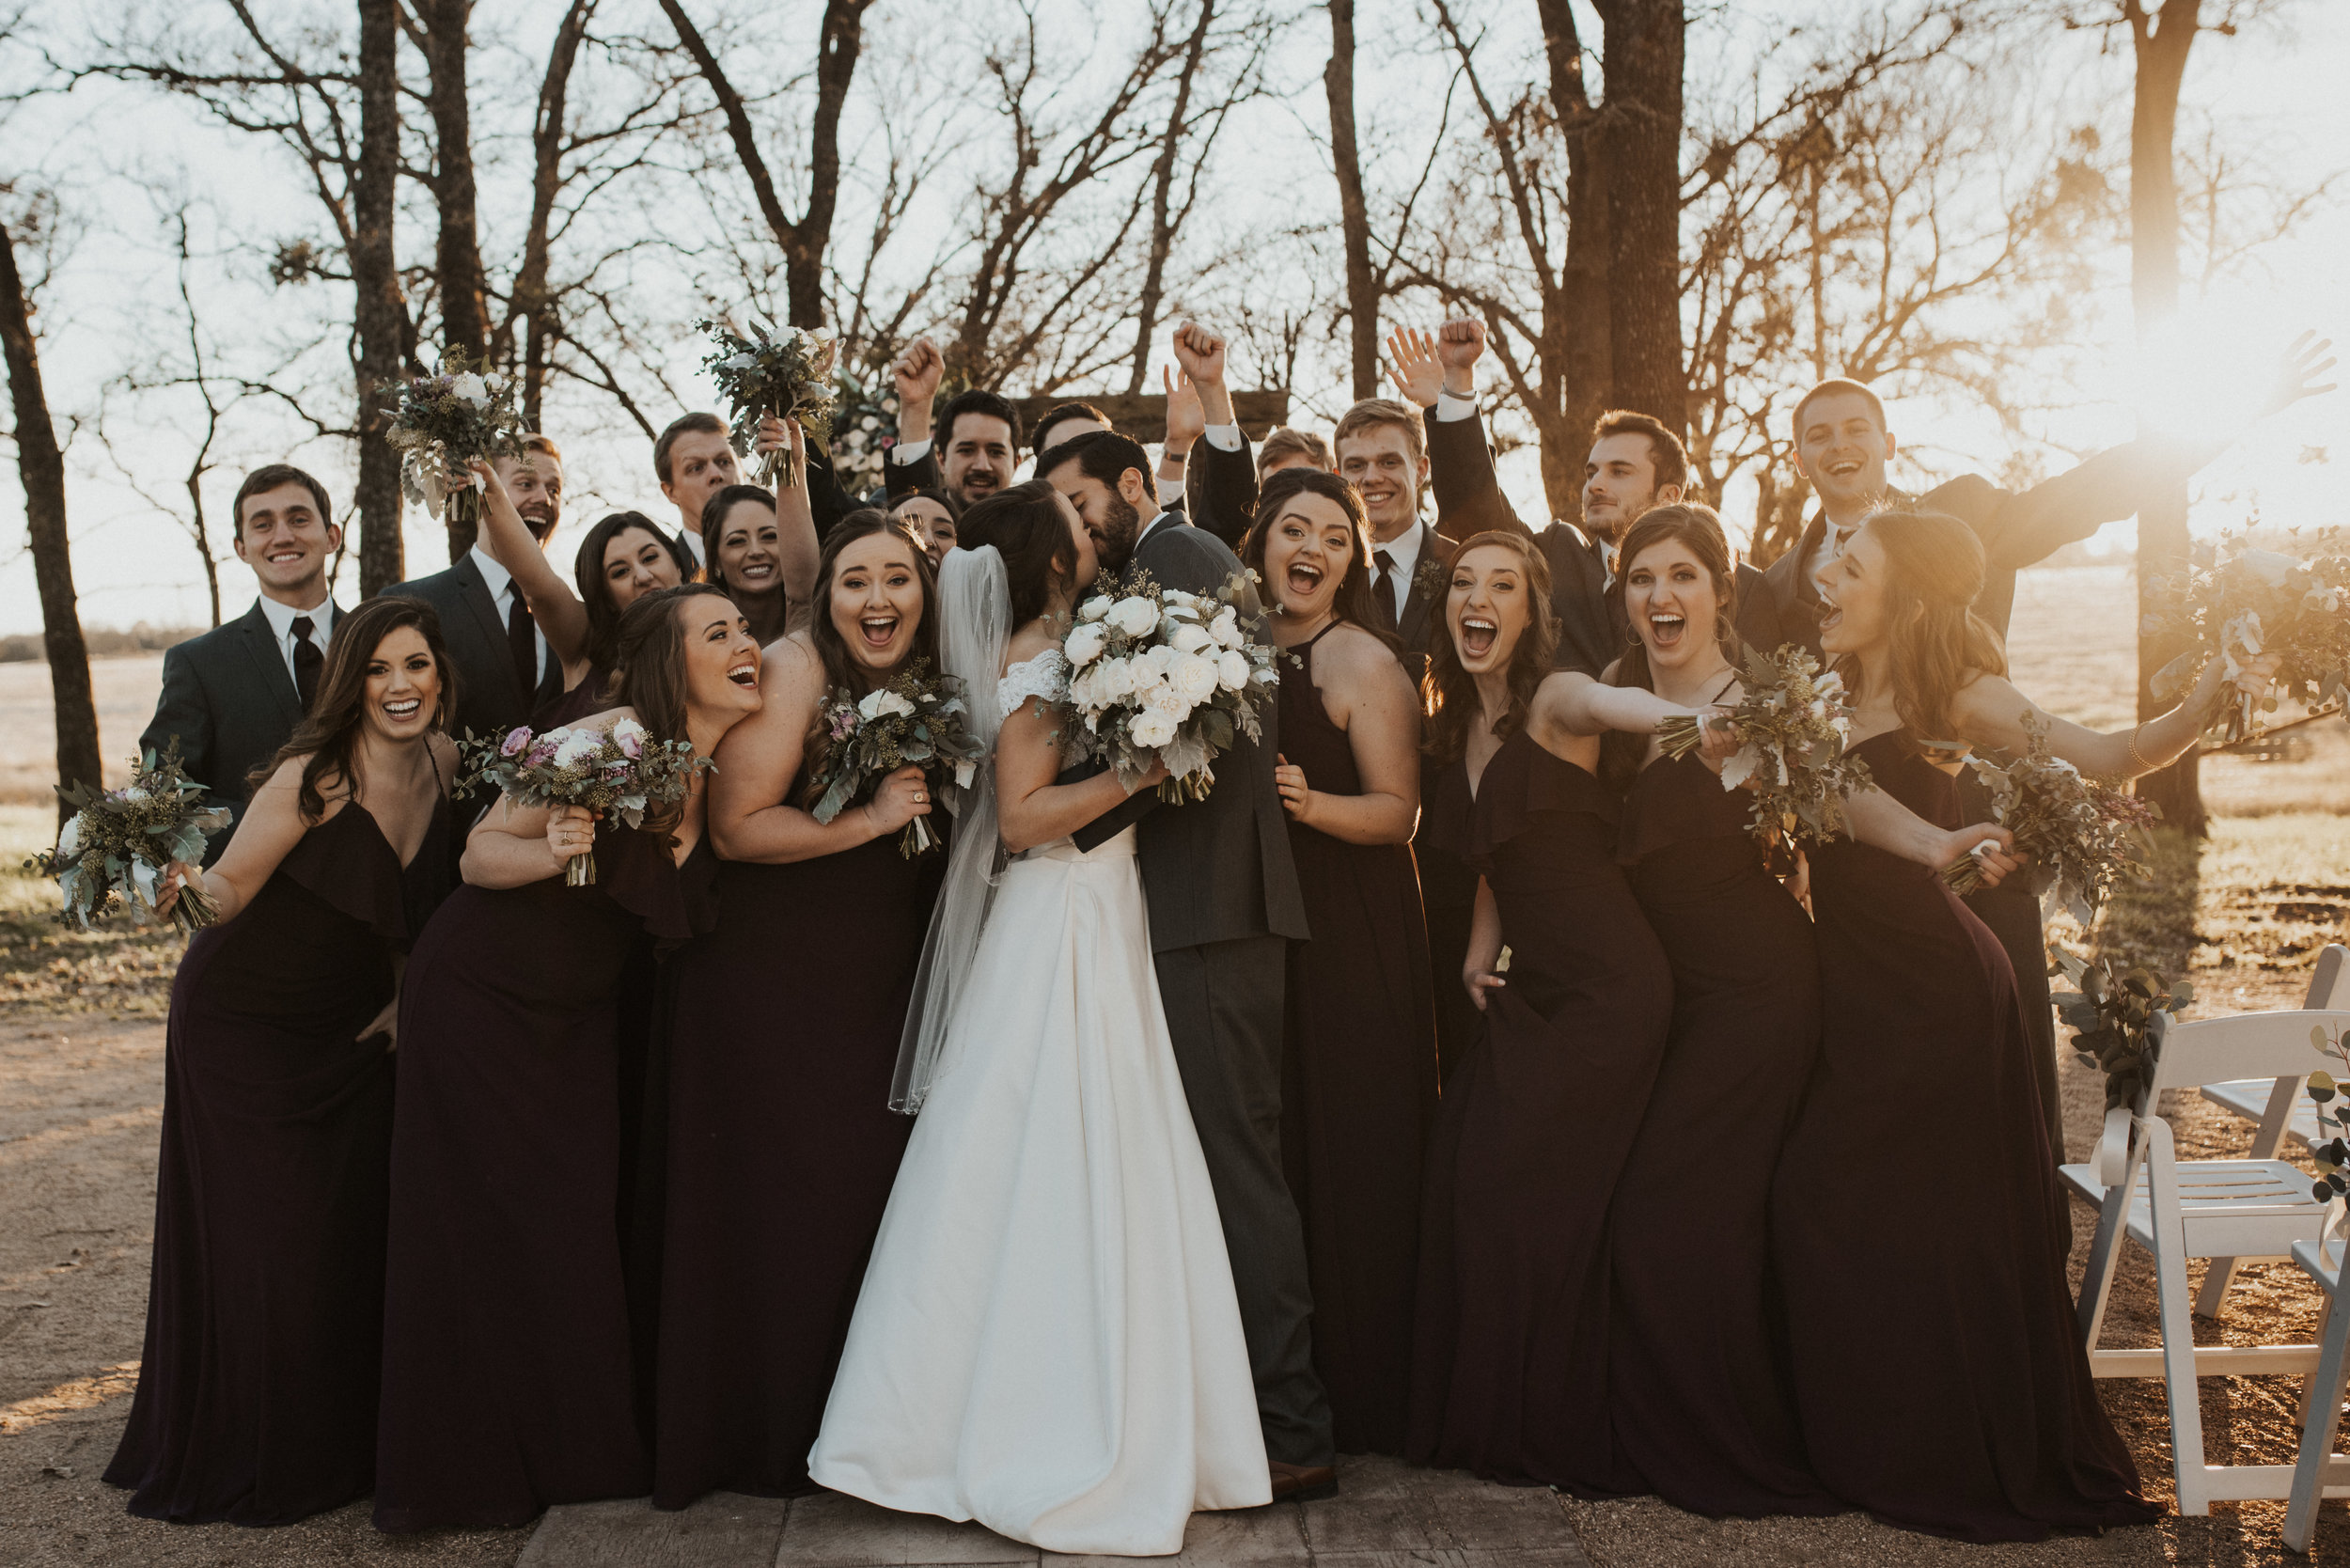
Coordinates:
1383	588
522	641
309	661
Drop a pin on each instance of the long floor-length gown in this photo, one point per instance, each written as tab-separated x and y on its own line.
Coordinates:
1538	1120
1358	1086
265	1308
1918	1227
782	1038
1699	1409
1048	1340
507	1382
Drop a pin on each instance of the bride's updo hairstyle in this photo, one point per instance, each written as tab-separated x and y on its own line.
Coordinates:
1030	531
1937	643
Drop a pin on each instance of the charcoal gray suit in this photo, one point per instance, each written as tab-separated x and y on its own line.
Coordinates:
490	701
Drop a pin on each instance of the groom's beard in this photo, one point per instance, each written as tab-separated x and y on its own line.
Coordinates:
1115	545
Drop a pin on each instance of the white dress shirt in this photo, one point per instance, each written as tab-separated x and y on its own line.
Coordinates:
1831	545
502	594
281	619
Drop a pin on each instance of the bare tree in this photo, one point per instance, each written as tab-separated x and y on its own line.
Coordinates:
439	30
1643	44
1362	288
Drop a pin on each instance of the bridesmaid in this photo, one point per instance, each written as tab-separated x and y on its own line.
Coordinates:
762	544
782	1146
1539	1113
507	1379
1919	1233
264	1313
937	516
1359	1054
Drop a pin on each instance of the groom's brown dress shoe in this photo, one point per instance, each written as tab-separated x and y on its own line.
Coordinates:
1305	1482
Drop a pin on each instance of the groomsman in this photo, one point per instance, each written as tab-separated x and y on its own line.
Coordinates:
233	696
1288	448
504	669
694	460
978	430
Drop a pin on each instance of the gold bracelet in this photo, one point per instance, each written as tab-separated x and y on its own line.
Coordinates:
2139	757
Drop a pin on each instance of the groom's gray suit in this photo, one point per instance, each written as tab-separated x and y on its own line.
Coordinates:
1224	906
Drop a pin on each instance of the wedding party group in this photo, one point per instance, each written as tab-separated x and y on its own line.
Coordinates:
1070	999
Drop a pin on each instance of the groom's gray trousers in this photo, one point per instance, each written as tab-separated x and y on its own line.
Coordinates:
1224	1008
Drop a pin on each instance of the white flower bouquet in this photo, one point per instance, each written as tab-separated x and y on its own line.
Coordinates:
617	772
442	423
1158	675
119	842
1793	723
2234	603
787	374
917	718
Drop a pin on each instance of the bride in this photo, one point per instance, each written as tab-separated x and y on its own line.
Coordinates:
1048	1339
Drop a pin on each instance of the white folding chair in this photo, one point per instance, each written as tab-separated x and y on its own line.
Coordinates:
2320	1471
2177	1209
2278	1109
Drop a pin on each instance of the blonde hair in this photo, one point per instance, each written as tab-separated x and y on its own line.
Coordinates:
1934	569
1373	412
1288	441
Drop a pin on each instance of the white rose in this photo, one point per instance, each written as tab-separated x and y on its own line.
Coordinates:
627	730
1085	643
881	703
1151	730
1093	608
1135	615
1168	701
1080	689
1190	639
69	841
1193	678
1153	662
1231	670
576	746
1226	629
471	388
1112	679
742	362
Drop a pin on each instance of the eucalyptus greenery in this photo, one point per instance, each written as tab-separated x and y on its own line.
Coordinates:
2113	1018
118	844
2234	604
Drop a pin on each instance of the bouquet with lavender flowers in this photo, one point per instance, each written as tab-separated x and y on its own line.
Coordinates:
2234	604
2083	835
788	375
118	844
442	423
1792	722
917	717
618	771
1158	675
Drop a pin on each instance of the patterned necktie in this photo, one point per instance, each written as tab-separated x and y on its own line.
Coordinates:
522	641
1383	588
308	660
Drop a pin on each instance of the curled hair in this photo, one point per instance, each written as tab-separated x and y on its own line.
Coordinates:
329	732
1356	602
650	675
842	672
1936	644
1450	691
1028	529
595	589
1698	530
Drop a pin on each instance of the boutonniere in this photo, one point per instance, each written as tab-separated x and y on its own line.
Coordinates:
1430	575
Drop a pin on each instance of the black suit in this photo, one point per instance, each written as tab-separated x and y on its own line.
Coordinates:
1220	490
229	698
1224	906
490	701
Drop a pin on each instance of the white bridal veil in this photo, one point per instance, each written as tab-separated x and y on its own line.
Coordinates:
974	625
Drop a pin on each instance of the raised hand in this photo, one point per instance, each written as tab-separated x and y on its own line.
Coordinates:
780	435
2310	358
1460	343
1186	419
1413	365
1199	353
915	372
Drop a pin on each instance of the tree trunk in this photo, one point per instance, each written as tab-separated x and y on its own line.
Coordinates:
1639	142
1162	201
41	466
1362	284
836	49
1574	326
457	255
532	308
381	317
2162	39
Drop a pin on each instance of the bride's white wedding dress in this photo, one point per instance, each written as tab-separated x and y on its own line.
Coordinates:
1048	1339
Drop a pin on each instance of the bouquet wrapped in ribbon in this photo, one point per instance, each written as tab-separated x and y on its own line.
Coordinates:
1792	722
2084	837
788	375
1158	675
917	718
2234	603
442	423
118	844
616	772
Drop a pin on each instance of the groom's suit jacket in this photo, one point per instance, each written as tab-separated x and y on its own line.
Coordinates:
1214	870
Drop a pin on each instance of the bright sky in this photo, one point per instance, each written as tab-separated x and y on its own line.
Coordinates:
2275	94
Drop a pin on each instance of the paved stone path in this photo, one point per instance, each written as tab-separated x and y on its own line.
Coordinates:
1385	1516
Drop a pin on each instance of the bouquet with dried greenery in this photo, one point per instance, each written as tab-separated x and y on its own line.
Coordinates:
917	718
2113	1018
2084	836
442	423
620	772
787	374
118	844
1792	722
2234	604
1159	675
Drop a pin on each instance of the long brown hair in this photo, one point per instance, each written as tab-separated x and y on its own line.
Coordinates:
1451	692
842	672
1354	603
329	732
595	588
1698	528
1935	641
1028	529
649	676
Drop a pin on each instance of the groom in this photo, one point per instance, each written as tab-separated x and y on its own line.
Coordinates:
1223	907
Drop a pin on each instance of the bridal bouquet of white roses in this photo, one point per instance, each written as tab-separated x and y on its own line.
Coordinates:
916	718
1158	675
788	375
1792	722
2234	603
442	423
618	772
118	844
